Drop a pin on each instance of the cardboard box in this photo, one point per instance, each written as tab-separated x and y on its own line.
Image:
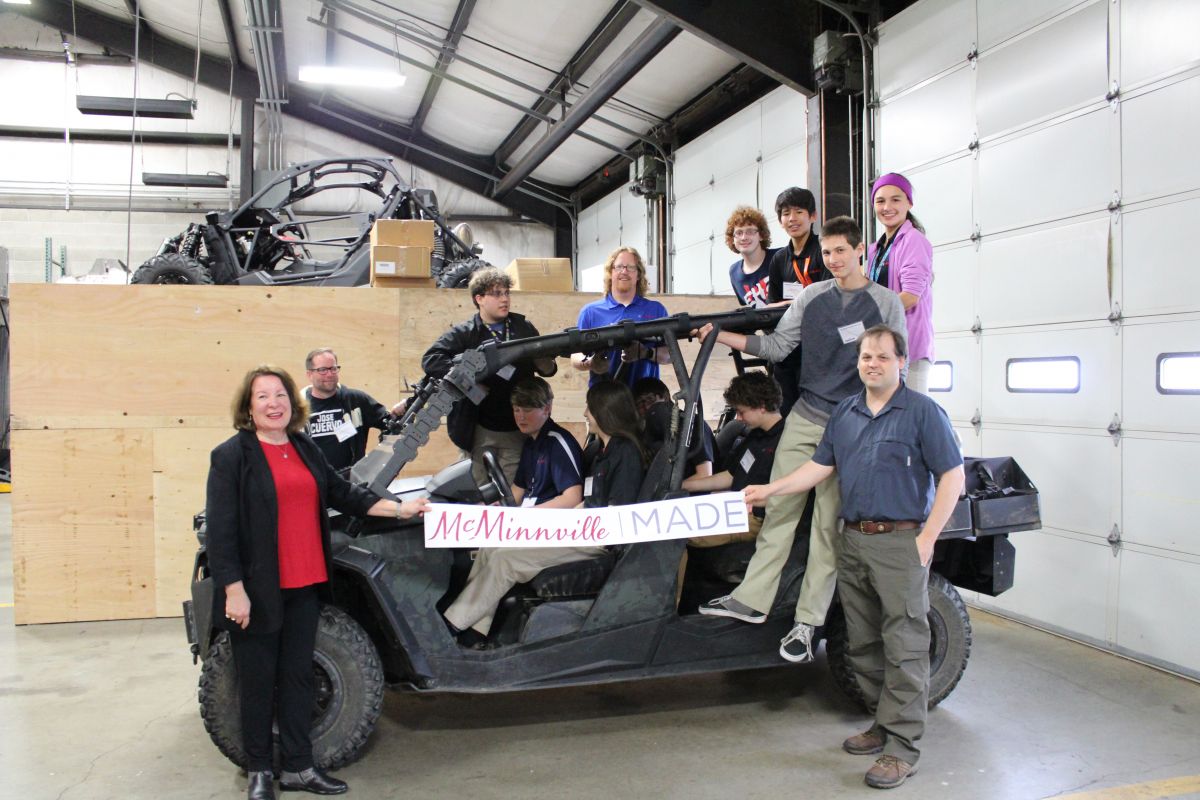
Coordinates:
541	274
399	262
403	232
384	282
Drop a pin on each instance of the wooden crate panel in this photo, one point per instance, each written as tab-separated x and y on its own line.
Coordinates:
83	525
142	353
181	459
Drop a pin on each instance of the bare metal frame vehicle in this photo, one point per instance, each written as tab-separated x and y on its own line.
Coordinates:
604	619
267	241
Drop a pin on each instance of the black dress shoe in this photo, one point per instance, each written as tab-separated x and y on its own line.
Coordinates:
311	780
260	786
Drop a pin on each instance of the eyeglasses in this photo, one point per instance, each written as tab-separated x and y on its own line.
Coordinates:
624	268
326	370
499	293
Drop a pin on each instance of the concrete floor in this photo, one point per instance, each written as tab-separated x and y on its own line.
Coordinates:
108	710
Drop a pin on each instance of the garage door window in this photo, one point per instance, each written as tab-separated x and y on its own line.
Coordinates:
1054	375
941	376
1178	373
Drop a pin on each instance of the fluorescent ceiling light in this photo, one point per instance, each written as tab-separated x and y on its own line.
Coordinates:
348	76
19	2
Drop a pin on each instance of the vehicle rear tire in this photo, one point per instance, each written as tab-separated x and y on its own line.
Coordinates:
457	275
949	643
172	268
350	686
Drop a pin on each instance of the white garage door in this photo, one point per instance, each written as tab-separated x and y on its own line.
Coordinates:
1050	147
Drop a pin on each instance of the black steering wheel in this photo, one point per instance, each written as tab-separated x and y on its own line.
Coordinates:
497	478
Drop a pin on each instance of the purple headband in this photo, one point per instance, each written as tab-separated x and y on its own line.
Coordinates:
894	179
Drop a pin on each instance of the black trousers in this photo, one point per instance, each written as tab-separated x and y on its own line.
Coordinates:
275	676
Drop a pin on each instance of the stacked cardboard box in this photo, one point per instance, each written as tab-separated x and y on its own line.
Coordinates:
400	253
541	274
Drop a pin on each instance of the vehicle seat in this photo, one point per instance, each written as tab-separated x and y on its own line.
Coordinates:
581	578
586	576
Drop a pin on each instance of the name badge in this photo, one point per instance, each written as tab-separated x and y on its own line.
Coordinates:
747	461
528	502
790	290
506	373
850	333
345	430
587	486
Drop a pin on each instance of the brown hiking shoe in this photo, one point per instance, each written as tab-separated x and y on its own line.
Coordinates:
888	772
867	743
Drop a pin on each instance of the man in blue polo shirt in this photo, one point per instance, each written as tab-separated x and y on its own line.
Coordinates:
547	477
888	444
625	298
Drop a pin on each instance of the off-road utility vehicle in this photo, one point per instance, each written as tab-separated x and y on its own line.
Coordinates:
268	239
609	618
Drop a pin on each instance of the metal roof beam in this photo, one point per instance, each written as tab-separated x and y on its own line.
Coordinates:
774	38
643	49
605	33
117	35
230	31
453	36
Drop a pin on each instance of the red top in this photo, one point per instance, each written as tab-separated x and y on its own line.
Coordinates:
301	558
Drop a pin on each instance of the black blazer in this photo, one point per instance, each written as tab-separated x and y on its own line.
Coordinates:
243	522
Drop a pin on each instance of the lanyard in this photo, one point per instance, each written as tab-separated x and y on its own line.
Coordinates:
805	280
881	258
495	335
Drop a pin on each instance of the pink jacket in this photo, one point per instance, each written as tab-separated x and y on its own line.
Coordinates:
910	269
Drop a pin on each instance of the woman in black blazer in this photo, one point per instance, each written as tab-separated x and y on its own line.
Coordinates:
269	554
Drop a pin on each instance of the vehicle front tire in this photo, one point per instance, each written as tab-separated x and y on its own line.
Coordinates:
457	275
349	699
172	268
949	643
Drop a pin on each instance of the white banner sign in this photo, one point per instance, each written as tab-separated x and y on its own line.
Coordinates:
499	526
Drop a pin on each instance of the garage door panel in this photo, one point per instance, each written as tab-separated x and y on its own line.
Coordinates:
1150	40
694	220
736	145
786	120
634	212
927	123
1158	142
1160	505
693	269
955	272
1073	473
608	218
1001	19
788	167
1012	88
1091	407
692	168
962	400
942	196
1146	408
1058	580
921	41
737	189
1067	264
1151	260
1156	615
1064	161
972	443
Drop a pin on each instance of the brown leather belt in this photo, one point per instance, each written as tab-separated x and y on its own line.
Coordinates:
870	526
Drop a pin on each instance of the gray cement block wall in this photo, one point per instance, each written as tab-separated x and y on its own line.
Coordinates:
87	235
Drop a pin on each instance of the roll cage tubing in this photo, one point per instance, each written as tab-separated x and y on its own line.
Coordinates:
434	397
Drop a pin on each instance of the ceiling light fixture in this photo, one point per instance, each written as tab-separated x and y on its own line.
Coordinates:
19	2
348	76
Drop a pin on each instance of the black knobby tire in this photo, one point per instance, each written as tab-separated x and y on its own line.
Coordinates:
349	679
457	274
172	268
949	643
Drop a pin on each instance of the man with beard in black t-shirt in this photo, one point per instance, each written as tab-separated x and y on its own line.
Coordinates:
339	417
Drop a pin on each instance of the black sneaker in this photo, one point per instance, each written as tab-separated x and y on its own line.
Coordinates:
728	607
797	645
